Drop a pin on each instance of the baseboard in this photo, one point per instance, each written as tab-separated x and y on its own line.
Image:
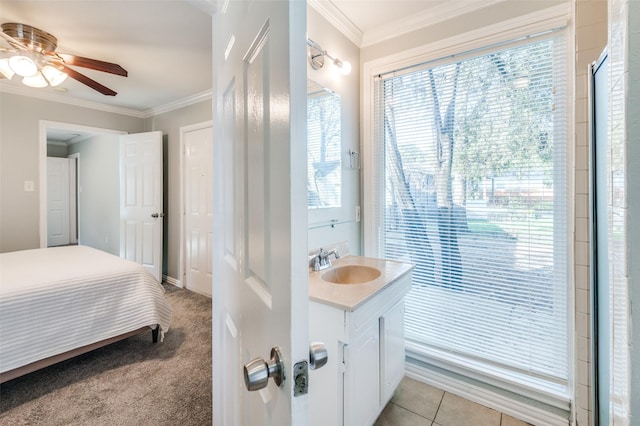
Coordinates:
514	407
170	280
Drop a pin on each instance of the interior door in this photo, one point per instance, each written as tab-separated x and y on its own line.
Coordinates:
261	287
141	216
198	214
57	201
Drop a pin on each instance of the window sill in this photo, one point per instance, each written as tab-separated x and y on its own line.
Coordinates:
554	395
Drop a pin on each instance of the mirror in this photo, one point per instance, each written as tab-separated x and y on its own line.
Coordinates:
324	141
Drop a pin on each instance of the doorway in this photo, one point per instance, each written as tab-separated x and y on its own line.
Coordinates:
197	205
71	135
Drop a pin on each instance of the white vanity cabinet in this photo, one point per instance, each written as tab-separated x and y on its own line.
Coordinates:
366	356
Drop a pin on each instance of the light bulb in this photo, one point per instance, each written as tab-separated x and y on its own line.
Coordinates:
5	69
346	68
343	67
53	75
37	80
23	66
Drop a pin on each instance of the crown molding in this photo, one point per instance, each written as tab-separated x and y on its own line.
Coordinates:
180	103
68	100
424	19
429	17
553	17
338	19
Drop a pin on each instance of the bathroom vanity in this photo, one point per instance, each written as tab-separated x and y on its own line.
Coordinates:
357	309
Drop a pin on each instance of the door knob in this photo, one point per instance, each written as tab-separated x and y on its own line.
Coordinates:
318	355
157	215
258	371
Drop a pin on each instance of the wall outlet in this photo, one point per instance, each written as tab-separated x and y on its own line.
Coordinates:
29	186
357	213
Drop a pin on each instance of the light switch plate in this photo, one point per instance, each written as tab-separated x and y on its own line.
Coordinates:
29	186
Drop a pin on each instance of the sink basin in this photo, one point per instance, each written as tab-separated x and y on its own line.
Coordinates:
351	274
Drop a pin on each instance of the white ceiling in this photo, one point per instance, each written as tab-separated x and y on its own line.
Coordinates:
165	45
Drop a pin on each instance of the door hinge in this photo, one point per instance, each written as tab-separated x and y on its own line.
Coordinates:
300	378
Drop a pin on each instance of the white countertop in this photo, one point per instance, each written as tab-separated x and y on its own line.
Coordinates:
350	296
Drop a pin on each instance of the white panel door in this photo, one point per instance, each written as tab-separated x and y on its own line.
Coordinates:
141	214
260	298
57	201
198	214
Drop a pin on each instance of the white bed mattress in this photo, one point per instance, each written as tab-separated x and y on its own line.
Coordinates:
57	299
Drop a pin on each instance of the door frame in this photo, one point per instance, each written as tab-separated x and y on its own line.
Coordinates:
73	233
45	125
181	280
596	365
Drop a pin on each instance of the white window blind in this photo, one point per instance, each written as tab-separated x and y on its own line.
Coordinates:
471	187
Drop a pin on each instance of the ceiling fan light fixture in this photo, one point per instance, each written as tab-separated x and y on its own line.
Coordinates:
5	69
23	65
53	75
37	80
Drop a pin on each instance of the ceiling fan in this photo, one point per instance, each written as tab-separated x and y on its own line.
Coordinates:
31	53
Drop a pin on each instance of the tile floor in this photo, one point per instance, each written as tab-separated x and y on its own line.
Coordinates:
418	404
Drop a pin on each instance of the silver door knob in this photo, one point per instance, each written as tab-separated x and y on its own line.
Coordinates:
318	355
157	215
258	371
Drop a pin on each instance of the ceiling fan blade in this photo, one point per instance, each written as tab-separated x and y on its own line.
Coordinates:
93	64
87	81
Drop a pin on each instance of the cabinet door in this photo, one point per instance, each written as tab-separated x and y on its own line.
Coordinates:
391	350
362	377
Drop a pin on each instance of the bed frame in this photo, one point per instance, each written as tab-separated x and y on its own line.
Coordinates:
46	362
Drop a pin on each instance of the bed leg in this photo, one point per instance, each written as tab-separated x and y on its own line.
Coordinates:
154	334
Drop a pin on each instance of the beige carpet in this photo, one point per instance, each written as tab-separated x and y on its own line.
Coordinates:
132	382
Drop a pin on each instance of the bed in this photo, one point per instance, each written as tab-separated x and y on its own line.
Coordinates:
56	303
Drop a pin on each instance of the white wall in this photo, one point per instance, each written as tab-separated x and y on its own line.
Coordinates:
632	173
19	133
99	207
624	208
348	87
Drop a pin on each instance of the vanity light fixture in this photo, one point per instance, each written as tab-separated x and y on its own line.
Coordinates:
316	58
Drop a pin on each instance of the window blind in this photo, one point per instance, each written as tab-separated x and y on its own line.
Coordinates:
470	160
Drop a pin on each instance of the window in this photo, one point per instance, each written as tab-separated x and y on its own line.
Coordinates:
471	187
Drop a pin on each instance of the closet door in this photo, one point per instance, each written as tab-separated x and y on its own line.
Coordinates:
58	195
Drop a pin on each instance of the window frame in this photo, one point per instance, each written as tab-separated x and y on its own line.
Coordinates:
503	33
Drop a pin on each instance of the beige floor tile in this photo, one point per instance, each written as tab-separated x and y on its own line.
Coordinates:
456	411
418	397
510	421
394	415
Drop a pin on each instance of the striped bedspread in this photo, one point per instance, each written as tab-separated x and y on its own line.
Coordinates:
57	299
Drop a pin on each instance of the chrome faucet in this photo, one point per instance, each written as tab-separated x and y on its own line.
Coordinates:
322	261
